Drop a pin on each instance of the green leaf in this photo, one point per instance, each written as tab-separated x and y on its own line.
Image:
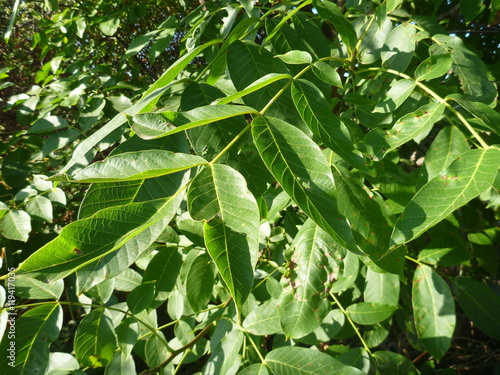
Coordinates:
141	297
129	166
434	311
255	369
264	320
48	124
473	75
156	125
29	288
95	339
390	363
219	196
34	331
464	179
139	43
61	363
247	62
16	225
255	86
127	334
373	36
393	4
87	240
110	26
397	94
398	48
210	140
368	215
147	103
301	169
121	364
317	114
40	208
480	303
200	282
483	112
404	130
295	57
368	313
312	35
449	144
447	248
330	326
225	358
303	303
381	288
327	74
295	360
163	270
470	9
434	66
155	350
331	13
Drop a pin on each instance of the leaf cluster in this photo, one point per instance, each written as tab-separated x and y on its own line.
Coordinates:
307	188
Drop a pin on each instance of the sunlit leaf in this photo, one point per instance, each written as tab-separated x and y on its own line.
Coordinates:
302	361
464	179
34	331
95	339
303	304
219	196
300	167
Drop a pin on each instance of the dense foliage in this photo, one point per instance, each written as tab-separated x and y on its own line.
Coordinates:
293	187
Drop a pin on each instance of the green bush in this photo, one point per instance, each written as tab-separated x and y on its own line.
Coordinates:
308	188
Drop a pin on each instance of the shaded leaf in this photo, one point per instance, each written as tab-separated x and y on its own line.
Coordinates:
434	311
483	112
368	215
397	94
163	270
331	13
446	147
200	282
398	48
480	303
473	75
390	363
317	114
141	297
48	124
